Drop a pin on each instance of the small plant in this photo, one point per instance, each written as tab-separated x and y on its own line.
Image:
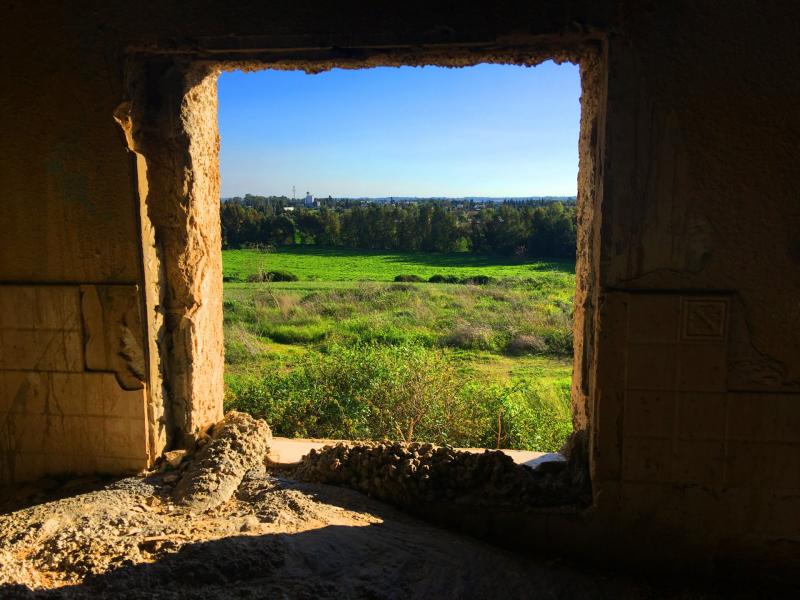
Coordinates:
409	278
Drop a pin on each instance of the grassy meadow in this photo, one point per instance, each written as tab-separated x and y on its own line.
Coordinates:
346	352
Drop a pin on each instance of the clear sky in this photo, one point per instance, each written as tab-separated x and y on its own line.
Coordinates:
488	130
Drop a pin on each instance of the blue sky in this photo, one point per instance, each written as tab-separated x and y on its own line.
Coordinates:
488	130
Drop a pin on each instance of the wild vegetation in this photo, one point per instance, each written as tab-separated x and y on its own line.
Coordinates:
347	352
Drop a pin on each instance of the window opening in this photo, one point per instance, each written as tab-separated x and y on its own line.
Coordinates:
399	253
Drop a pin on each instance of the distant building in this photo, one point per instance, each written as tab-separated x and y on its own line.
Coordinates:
309	201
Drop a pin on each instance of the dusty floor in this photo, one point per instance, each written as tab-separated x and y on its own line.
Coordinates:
275	539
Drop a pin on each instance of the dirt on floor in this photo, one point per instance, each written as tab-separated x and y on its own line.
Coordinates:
275	538
221	525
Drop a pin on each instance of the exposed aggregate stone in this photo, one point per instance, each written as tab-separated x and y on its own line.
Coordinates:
239	443
409	474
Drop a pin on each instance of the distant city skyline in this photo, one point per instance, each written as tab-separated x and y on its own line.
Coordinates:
487	131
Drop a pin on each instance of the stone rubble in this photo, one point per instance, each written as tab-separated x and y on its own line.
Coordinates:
238	444
414	474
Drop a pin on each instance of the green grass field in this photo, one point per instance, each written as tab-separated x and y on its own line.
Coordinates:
311	263
297	352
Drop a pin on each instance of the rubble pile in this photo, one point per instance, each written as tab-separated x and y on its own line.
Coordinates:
410	474
238	444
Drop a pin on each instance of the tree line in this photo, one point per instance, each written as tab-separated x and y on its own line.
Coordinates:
535	229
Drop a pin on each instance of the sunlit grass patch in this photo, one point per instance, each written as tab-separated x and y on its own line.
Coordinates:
295	348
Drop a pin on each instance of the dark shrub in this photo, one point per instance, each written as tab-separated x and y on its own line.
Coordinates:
477	280
230	278
443	279
559	341
526	344
282	276
470	337
262	276
409	278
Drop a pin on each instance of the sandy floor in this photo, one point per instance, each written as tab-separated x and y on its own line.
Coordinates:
275	539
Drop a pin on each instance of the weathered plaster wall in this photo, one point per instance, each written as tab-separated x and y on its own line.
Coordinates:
687	377
170	123
72	395
697	402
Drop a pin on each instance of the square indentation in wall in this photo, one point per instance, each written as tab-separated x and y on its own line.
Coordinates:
704	319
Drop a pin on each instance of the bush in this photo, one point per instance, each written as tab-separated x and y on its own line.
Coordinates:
362	392
443	279
477	280
526	344
559	342
263	276
408	279
407	393
470	337
530	415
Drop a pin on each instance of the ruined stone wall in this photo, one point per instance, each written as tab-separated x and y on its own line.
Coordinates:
73	385
72	395
688	366
697	401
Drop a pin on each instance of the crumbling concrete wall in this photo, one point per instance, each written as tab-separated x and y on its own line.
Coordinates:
688	352
170	124
697	397
72	384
